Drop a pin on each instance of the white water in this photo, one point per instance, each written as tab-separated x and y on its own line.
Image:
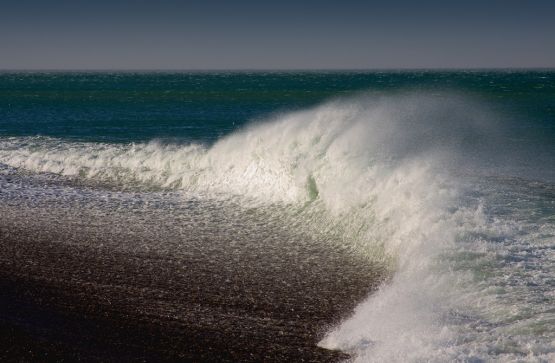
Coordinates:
465	283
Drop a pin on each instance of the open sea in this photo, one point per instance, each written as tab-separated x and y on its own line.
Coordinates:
399	216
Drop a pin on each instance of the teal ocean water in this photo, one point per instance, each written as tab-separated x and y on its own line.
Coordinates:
131	107
446	179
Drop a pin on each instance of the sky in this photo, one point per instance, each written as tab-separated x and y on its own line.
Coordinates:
286	34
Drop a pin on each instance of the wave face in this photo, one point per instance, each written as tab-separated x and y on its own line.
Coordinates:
397	180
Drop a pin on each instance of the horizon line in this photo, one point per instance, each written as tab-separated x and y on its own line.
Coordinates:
260	70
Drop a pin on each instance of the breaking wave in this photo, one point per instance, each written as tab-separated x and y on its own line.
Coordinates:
386	177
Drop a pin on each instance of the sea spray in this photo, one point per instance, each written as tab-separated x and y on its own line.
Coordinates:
332	147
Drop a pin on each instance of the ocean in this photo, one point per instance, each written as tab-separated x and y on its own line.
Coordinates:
396	216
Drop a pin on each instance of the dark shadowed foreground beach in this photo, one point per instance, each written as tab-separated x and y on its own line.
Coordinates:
98	275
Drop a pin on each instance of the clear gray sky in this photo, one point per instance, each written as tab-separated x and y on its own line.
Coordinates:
286	34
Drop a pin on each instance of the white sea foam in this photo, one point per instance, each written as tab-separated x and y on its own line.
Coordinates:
377	174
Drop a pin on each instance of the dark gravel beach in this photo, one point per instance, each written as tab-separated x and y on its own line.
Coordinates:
87	282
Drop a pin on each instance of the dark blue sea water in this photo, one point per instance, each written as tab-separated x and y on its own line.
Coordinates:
127	107
447	179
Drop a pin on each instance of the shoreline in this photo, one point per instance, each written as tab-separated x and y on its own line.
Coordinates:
66	297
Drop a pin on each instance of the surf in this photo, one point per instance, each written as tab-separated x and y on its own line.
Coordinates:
385	177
